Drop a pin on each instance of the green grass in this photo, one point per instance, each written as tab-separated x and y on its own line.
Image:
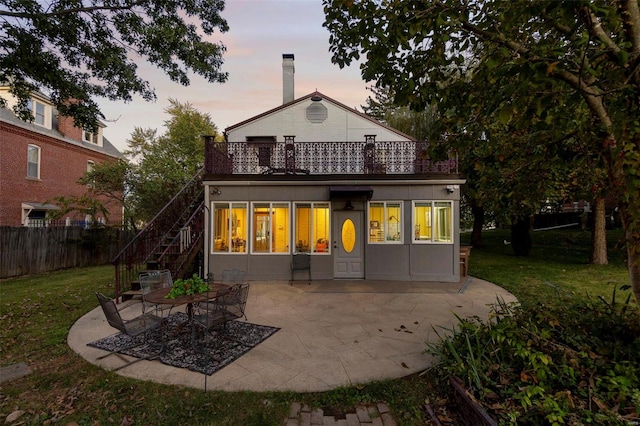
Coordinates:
36	313
558	265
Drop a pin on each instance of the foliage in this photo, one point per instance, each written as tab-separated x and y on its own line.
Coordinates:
106	183
512	165
545	62
550	363
112	181
188	287
421	125
167	162
83	205
77	51
157	167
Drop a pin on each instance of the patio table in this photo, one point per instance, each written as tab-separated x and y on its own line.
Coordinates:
158	296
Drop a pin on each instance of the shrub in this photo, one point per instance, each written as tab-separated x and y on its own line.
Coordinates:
566	361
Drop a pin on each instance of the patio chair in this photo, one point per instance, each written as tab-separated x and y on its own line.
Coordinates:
153	280
132	327
222	309
235	300
300	261
233	276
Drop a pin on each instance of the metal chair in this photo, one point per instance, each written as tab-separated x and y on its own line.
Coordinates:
233	276
153	280
132	327
300	261
220	310
235	300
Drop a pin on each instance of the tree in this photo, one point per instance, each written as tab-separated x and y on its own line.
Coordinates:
112	181
589	48
83	204
166	163
421	125
517	158
75	51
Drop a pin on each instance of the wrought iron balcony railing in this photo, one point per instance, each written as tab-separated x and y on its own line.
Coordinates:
324	158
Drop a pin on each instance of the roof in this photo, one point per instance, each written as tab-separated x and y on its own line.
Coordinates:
108	148
324	98
40	206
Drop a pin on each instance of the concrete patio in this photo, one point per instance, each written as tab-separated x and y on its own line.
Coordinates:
333	333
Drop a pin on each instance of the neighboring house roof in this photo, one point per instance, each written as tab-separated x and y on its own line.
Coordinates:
324	98
107	148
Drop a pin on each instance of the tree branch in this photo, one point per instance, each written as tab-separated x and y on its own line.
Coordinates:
594	25
72	11
592	96
630	17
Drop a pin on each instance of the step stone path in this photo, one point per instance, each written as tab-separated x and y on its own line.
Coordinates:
370	415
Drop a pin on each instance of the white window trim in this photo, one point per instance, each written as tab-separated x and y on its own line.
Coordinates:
413	222
311	243
213	237
94	138
39	161
90	137
90	166
251	230
384	224
32	104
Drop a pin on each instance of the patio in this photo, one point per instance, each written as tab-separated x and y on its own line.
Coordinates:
337	334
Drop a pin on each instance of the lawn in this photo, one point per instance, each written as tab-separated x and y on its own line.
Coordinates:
558	264
36	313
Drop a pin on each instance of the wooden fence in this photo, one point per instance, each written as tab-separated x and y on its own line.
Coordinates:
25	250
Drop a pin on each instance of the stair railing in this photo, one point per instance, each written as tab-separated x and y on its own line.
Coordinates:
151	242
182	249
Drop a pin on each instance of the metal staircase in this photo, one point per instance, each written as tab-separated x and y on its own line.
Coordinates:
171	240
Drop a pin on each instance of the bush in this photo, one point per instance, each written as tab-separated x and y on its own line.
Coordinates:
569	361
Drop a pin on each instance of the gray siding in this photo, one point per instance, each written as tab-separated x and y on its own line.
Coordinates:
402	262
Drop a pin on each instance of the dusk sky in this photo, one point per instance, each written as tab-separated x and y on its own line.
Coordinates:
260	32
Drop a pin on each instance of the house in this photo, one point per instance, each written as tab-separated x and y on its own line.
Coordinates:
43	159
314	176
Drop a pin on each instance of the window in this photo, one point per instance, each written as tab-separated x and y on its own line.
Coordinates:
385	222
432	221
90	166
230	227
89	137
311	227
38	111
270	228
33	161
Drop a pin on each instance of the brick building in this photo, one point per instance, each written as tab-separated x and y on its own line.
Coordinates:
44	159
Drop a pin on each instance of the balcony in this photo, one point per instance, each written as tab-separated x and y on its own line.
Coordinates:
404	159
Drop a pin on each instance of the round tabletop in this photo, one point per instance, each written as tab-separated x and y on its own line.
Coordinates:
158	295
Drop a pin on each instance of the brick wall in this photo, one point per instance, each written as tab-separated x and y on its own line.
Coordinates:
68	129
61	165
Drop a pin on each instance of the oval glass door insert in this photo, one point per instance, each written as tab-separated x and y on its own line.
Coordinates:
348	235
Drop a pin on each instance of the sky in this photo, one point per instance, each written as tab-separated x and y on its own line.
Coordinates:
260	31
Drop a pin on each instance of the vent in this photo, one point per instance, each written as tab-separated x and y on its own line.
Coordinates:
316	113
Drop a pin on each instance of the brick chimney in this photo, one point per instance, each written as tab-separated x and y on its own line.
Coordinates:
68	129
287	77
66	126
